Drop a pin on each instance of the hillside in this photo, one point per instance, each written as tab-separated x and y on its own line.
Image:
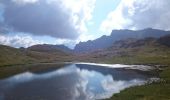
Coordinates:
34	54
50	48
49	53
11	56
132	51
116	35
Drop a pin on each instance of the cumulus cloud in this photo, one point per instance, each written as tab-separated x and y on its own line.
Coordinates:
57	18
40	18
81	11
138	14
18	40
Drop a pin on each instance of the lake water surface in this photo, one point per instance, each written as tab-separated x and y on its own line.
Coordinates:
70	82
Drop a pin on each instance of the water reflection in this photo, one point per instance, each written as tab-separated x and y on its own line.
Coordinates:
72	82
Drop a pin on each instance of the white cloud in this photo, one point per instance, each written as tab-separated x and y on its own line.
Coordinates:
67	20
64	19
81	12
18	40
138	14
86	37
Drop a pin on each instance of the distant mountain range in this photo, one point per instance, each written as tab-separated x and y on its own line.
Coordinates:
136	43
102	42
139	46
107	41
132	51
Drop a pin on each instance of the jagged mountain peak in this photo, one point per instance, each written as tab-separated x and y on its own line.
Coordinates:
107	41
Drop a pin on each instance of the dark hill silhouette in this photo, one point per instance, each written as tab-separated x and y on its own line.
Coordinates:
107	41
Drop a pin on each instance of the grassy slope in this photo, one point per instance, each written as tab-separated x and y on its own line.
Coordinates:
144	55
12	56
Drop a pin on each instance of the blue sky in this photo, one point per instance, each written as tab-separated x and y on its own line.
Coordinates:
29	22
102	8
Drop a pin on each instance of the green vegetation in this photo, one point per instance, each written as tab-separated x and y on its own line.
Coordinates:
143	56
13	56
10	56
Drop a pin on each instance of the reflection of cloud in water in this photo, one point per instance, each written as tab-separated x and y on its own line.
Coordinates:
111	86
108	86
107	83
81	84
